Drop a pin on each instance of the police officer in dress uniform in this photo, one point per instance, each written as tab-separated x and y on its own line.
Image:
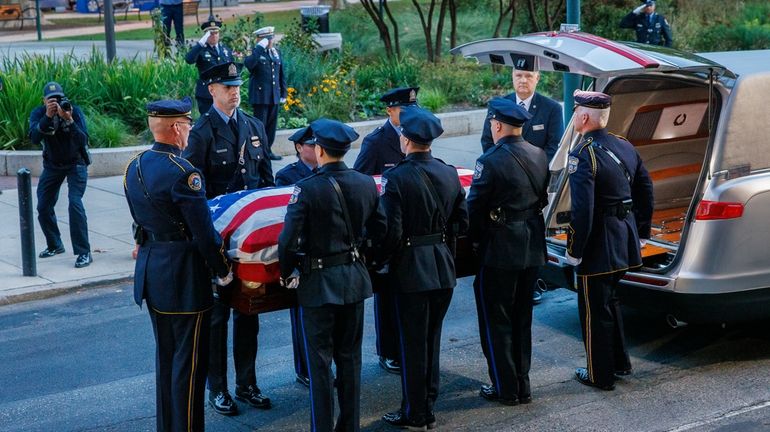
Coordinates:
267	84
228	146
320	254
508	193
305	166
179	251
612	203
381	150
206	53
651	28
424	203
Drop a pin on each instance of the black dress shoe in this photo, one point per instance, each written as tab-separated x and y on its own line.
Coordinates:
252	396
274	157
623	372
430	421
391	366
223	403
400	420
83	260
537	297
48	252
304	380
489	393
581	374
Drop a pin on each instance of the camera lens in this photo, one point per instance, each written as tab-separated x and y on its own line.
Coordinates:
66	105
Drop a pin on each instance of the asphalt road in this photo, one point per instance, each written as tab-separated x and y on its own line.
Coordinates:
84	362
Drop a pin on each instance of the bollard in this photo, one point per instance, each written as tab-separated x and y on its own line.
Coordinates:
26	223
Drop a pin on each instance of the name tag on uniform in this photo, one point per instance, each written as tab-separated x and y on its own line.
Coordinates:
538	127
389	165
223	150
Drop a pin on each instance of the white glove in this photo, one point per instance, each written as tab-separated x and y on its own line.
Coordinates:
642	242
205	38
263	43
283	100
572	260
291	282
639	10
225	280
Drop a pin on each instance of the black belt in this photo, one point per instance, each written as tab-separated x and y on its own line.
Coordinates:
166	237
424	240
620	210
347	257
502	216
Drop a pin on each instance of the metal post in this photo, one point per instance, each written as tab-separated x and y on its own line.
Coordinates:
109	30
26	223
211	9
571	80
37	20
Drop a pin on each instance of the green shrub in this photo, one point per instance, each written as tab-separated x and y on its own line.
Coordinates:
108	132
432	99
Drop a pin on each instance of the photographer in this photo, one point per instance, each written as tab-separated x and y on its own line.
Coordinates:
59	127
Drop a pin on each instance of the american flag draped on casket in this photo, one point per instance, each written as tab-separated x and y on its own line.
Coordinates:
249	222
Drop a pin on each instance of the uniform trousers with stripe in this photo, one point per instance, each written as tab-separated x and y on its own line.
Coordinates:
298	343
334	332
181	354
504	306
602	324
420	316
385	325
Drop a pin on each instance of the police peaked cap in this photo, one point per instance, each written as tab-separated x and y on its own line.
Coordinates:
650	3
265	32
419	125
303	136
225	73
401	96
170	108
592	99
508	112
333	135
211	24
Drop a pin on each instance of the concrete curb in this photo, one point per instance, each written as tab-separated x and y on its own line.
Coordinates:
40	292
112	161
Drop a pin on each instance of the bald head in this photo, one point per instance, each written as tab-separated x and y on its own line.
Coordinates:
590	119
170	130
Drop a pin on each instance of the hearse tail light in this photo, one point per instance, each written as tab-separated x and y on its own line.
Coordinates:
712	210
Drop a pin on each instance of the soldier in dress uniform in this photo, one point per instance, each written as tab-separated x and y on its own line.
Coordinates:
508	193
320	254
206	53
425	206
612	205
381	150
228	146
305	166
267	85
651	27
179	253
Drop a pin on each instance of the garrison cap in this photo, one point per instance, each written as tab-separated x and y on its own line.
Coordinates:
170	108
265	32
333	135
225	73
401	96
420	125
211	24
508	112
52	89
592	99
303	136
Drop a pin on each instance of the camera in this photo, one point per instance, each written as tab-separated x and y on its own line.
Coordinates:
65	104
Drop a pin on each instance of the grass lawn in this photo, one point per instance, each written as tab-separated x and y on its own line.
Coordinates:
280	20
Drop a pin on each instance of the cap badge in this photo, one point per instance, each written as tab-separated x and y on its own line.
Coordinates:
232	70
51	87
412	96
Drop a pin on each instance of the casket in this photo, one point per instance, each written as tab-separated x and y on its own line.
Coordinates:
250	222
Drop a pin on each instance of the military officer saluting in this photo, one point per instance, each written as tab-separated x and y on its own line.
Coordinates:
381	150
305	166
612	203
651	27
206	53
179	253
319	252
505	204
228	146
424	203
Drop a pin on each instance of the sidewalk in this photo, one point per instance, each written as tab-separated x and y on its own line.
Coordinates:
109	226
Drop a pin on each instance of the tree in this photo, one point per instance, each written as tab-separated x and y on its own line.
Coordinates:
504	9
549	18
372	8
433	49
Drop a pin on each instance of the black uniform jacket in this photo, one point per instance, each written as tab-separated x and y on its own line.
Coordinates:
204	57
267	84
314	227
607	243
292	173
228	163
173	276
543	130
63	145
411	211
654	31
380	150
502	189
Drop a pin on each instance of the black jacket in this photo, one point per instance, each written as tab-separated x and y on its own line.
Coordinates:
380	150
292	173
650	30
267	84
204	57
63	145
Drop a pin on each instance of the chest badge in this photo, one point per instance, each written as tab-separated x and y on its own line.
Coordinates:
255	141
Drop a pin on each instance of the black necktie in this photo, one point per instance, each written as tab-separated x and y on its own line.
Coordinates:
233	127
